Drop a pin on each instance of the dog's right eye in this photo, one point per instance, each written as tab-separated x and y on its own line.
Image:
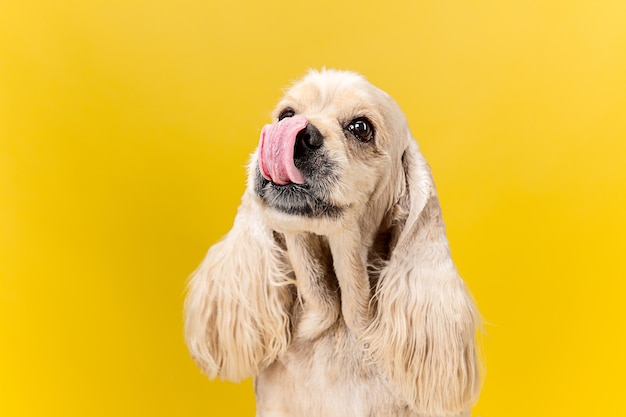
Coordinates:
288	112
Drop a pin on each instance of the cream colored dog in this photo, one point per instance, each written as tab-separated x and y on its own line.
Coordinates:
335	288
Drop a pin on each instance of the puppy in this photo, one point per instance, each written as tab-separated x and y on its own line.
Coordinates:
335	288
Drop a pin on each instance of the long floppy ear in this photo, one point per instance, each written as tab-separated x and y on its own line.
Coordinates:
237	319
424	327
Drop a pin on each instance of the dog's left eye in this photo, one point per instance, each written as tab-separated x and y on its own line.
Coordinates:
361	129
288	112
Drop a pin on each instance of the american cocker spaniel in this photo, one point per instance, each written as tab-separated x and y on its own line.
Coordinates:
335	288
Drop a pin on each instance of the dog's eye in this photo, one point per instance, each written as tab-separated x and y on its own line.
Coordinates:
288	112
361	129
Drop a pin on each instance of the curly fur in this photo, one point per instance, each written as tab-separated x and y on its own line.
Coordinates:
340	295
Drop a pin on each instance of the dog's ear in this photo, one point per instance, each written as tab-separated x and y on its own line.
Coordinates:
424	328
236	309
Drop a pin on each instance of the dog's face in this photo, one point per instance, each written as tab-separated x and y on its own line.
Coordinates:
335	144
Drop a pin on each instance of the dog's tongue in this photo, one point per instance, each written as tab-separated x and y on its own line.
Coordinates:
276	151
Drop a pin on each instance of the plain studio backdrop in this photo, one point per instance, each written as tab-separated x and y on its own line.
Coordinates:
125	127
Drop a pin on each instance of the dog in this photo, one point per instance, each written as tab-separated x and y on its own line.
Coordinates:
335	288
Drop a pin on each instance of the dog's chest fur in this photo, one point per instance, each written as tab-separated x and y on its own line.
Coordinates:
327	377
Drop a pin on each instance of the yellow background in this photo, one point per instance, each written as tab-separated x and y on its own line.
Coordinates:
125	126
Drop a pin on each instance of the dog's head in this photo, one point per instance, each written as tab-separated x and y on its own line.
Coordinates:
334	147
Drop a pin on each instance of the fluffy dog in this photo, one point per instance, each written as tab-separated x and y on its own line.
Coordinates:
335	288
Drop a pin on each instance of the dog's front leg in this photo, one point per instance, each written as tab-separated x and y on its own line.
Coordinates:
320	300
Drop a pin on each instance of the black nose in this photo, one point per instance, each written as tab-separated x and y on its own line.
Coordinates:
308	140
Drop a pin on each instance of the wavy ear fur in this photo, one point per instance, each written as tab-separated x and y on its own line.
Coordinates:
424	328
236	310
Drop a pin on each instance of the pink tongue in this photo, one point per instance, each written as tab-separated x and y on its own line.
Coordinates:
276	151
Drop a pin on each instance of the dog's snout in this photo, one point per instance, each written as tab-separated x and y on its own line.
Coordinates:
307	140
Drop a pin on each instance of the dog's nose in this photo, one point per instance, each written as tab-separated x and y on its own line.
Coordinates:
308	140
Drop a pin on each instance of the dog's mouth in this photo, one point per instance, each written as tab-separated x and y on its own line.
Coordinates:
295	199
